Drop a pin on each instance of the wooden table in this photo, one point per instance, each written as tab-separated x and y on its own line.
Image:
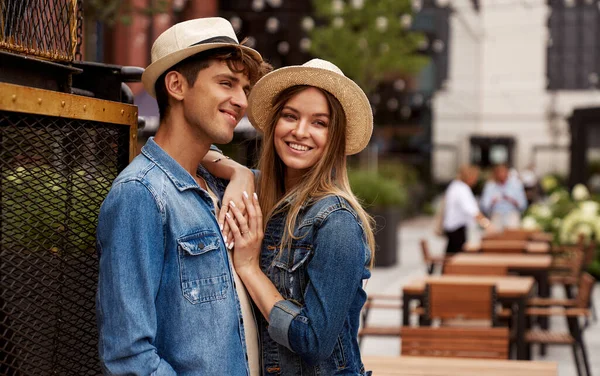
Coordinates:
509	289
427	366
501	246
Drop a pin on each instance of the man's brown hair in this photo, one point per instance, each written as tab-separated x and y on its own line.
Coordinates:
236	59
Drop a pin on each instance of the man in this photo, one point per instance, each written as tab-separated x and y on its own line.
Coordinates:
168	302
503	198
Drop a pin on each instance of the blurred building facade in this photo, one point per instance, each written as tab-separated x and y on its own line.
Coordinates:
517	70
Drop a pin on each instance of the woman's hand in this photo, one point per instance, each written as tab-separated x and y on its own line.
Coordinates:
247	232
242	181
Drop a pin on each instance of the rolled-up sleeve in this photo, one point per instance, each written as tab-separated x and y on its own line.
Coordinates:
130	243
335	275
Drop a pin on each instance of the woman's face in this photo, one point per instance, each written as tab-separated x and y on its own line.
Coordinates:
302	130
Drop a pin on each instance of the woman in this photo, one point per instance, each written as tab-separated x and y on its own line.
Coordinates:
306	275
461	208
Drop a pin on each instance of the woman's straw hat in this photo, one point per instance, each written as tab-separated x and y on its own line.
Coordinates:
188	38
324	75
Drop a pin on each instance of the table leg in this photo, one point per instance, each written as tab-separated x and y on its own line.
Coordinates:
544	291
520	325
406	309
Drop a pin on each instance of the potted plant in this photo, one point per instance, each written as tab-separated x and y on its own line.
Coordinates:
384	200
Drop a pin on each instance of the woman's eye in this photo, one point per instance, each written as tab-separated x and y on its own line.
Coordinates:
321	123
289	116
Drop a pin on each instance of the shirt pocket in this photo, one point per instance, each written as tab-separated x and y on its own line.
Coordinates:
291	267
203	270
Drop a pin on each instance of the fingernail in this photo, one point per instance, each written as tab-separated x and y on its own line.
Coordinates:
232	203
227	214
225	238
221	226
245	194
255	196
231	245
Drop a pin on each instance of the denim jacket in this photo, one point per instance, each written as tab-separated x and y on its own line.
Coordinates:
166	301
314	330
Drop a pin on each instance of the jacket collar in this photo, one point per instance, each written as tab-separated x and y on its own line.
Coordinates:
176	173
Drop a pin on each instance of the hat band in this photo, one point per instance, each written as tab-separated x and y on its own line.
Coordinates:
221	39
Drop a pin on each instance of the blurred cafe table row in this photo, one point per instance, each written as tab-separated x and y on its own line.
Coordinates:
432	366
508	247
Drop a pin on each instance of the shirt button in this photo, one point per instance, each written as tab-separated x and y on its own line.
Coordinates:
201	246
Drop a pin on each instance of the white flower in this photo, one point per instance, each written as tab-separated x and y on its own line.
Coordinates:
381	23
338	22
529	223
580	192
589	208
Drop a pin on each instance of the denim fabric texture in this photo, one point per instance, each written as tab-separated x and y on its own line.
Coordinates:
166	302
314	330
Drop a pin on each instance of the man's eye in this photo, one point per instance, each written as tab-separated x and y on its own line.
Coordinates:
226	83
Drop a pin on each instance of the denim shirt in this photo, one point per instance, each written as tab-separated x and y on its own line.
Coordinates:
314	330
166	301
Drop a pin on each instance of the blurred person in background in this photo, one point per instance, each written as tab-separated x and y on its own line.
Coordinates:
460	209
503	199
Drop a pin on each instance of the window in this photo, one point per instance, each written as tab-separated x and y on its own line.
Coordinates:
573	61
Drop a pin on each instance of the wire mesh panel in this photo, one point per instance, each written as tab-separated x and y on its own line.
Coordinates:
46	28
54	174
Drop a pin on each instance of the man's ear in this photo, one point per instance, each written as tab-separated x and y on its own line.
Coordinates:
176	85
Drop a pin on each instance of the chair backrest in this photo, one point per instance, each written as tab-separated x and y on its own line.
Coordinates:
589	254
425	251
584	293
476	301
504	246
576	262
490	343
458	269
510	234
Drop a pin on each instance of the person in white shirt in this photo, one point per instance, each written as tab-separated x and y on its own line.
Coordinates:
461	208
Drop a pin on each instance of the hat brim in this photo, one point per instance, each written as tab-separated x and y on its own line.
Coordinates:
359	116
161	65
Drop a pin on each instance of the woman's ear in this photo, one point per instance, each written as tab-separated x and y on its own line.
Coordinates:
176	85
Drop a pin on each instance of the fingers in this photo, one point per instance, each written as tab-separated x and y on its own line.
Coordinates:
254	213
236	234
239	217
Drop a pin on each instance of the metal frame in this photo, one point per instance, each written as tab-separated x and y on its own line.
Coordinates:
29	100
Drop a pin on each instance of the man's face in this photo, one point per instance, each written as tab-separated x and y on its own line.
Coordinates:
501	174
217	102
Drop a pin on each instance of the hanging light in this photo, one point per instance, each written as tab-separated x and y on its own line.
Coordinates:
283	48
308	23
258	5
305	44
399	85
438	45
275	3
236	22
272	25
392	104
569	3
417	5
405	112
442	3
418	99
251	42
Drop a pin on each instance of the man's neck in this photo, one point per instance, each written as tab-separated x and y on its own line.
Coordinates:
182	144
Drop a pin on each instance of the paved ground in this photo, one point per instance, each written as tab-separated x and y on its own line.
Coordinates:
390	280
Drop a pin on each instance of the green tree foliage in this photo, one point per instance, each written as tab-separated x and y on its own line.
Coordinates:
368	39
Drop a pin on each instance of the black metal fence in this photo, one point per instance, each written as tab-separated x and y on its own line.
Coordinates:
54	174
45	28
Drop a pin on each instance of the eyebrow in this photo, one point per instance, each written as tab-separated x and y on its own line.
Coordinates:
286	107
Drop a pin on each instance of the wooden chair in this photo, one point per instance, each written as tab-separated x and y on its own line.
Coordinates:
567	271
452	269
490	343
462	304
511	234
572	310
379	301
430	261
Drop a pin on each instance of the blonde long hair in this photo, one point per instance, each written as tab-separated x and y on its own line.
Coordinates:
326	178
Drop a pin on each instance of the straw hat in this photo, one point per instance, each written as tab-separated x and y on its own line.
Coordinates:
188	38
324	75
